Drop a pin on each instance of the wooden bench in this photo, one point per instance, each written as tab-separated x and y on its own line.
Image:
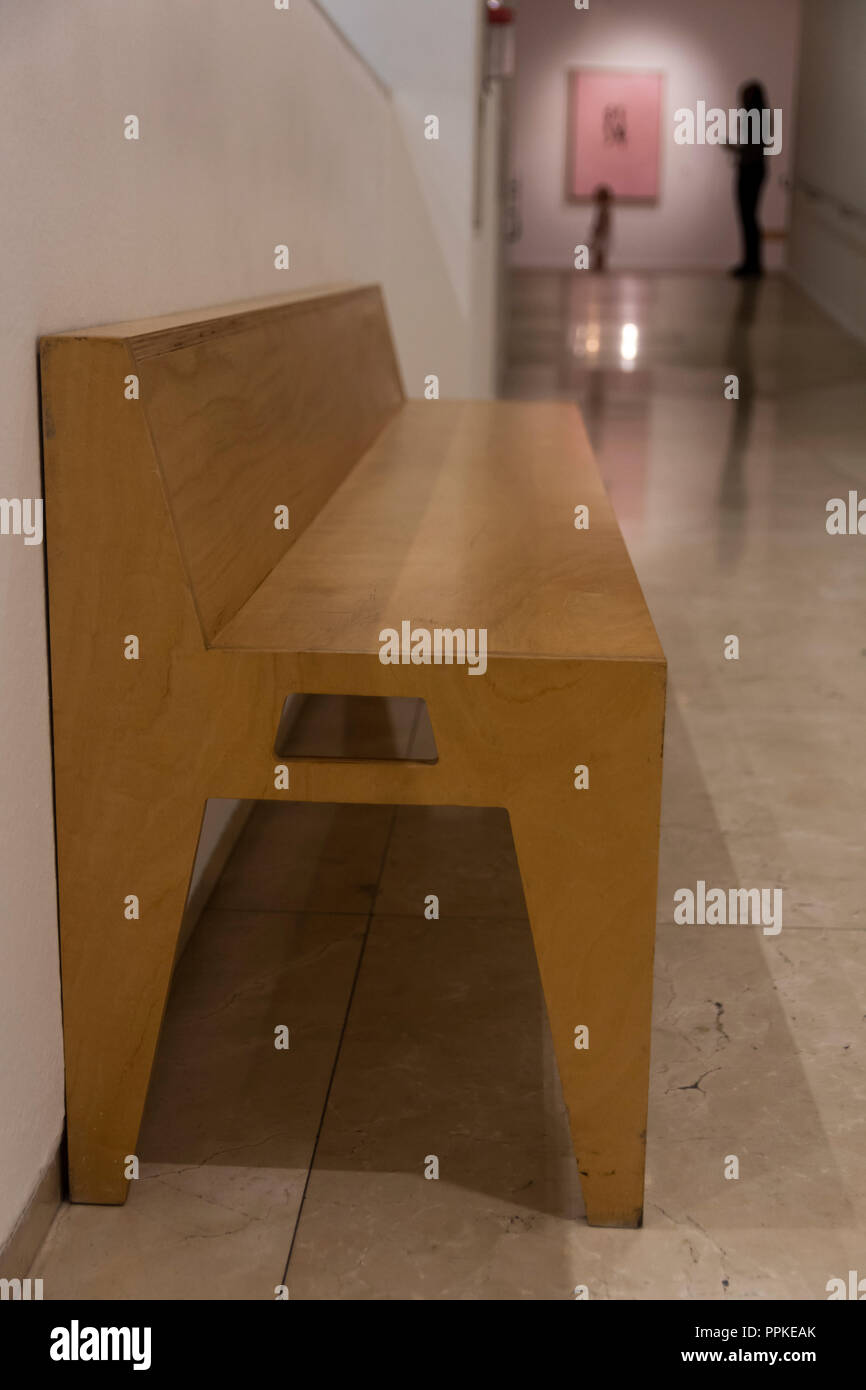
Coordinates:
170	446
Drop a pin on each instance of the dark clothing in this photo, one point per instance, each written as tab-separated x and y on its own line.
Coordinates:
750	181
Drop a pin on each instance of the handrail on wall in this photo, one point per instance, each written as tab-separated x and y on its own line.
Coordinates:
821	195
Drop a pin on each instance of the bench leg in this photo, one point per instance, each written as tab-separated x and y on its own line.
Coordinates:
588	859
116	970
594	941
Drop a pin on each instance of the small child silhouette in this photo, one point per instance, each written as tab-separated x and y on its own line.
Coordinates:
599	236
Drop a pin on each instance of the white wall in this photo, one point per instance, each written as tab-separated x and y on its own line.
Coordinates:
828	249
257	127
706	49
429	55
426	54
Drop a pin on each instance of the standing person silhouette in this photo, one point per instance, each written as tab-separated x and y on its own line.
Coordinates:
751	172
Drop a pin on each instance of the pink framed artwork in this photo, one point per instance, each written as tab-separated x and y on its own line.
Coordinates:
613	134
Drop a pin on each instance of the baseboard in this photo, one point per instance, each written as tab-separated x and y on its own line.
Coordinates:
848	322
23	1245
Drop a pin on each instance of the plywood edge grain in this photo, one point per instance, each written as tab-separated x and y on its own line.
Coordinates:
187	326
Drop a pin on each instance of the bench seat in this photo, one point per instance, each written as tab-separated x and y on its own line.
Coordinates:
460	507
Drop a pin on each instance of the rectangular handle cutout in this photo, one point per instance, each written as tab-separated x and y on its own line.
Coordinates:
365	728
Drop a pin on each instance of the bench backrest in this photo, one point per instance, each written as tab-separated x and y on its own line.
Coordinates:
262	409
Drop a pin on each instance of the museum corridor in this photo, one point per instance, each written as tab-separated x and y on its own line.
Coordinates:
430	1037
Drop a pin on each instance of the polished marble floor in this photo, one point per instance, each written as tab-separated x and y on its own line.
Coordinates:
409	1038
